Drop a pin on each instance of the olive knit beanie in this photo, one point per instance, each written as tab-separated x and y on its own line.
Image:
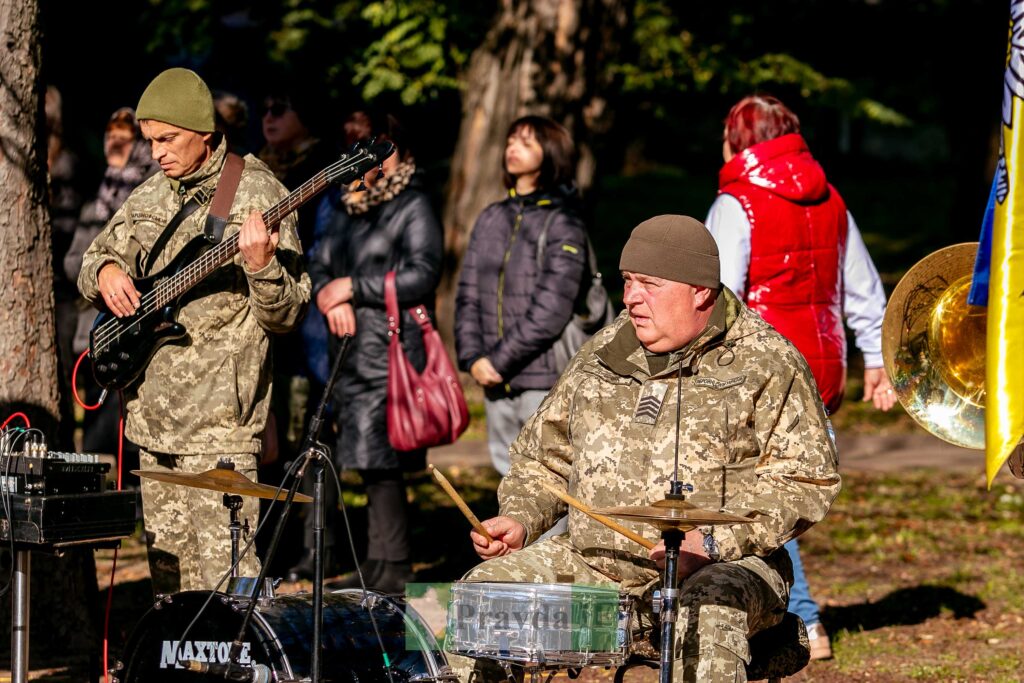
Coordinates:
677	248
178	97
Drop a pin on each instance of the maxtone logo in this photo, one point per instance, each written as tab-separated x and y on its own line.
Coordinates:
173	653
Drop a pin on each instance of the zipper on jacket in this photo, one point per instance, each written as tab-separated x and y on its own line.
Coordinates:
501	273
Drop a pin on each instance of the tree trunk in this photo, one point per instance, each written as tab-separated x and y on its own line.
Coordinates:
542	57
62	621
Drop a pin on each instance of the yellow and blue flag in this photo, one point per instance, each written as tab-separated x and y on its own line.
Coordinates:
1000	262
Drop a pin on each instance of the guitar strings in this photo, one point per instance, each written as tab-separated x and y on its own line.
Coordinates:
110	331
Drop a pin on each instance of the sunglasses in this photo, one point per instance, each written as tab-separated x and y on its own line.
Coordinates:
277	109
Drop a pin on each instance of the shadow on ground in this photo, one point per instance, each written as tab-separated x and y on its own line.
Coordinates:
903	607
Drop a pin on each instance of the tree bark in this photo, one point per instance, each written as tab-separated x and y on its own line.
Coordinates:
542	57
28	356
63	589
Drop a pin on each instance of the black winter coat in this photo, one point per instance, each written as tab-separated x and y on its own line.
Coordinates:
505	309
403	235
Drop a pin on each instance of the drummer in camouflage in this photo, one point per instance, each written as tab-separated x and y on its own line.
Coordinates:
753	440
204	400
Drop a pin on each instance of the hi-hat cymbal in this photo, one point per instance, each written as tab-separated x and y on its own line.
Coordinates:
223	480
933	345
673	514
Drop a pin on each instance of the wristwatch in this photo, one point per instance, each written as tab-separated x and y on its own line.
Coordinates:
710	545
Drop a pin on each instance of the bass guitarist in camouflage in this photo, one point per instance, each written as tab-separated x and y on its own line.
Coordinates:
206	399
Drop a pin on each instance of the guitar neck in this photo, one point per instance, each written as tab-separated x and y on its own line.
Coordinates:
223	252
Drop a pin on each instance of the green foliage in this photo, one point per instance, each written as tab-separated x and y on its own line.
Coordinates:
412	56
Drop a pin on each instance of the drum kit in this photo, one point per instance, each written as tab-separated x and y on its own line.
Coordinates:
538	628
362	635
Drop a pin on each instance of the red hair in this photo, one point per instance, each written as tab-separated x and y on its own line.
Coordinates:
757	118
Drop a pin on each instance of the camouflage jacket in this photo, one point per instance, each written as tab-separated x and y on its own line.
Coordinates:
210	394
753	440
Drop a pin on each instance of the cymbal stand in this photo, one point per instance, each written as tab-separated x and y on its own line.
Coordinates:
669	612
234	504
313	452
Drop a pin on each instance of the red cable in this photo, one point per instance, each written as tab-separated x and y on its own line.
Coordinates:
23	416
74	385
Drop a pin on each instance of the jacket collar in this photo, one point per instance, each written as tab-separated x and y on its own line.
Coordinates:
625	355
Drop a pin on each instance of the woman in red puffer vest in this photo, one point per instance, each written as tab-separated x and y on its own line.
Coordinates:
790	249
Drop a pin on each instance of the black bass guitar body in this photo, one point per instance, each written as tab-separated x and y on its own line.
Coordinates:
123	347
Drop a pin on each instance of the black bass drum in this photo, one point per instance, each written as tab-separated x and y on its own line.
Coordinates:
280	639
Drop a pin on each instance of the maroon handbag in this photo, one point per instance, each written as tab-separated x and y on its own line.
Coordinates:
424	409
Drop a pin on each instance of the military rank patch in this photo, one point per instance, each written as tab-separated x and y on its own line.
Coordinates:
713	383
649	406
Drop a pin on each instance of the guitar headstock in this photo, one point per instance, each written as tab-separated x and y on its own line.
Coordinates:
359	159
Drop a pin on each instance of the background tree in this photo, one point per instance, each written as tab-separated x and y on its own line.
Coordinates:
62	621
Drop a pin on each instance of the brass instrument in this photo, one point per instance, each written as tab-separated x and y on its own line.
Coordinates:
933	345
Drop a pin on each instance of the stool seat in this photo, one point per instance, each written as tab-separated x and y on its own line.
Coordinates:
776	652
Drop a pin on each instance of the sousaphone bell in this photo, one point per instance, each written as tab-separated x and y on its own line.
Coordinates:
933	345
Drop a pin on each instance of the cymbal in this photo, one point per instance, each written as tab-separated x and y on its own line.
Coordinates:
673	514
223	480
933	345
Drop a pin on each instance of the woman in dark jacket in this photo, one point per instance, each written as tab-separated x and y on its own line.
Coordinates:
390	226
513	303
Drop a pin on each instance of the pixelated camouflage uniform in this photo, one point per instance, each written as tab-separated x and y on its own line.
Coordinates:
209	396
753	441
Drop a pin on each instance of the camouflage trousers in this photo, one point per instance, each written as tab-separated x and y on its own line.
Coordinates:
187	531
721	606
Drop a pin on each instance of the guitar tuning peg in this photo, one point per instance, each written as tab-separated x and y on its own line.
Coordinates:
362	184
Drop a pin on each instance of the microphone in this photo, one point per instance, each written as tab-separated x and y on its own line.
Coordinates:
258	673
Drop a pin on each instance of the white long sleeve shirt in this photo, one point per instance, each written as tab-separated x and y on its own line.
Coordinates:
863	295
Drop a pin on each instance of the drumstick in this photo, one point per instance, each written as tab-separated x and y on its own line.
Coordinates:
461	504
610	523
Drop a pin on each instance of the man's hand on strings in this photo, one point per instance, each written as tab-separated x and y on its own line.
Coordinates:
118	290
508	534
257	242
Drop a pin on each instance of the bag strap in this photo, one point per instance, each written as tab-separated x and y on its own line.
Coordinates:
542	245
216	220
419	313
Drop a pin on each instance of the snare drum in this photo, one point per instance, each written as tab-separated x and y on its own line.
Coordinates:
539	625
280	639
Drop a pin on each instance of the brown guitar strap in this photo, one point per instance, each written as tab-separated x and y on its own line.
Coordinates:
216	219
223	197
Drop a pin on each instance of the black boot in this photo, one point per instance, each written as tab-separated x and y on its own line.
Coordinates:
371	569
303	569
393	578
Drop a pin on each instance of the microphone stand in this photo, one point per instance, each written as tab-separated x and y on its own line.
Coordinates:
313	452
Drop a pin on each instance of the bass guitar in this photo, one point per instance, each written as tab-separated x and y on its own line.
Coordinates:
121	348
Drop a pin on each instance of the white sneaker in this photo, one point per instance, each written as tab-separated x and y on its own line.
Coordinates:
821	648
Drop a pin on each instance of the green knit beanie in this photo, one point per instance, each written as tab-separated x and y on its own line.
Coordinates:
178	97
677	248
